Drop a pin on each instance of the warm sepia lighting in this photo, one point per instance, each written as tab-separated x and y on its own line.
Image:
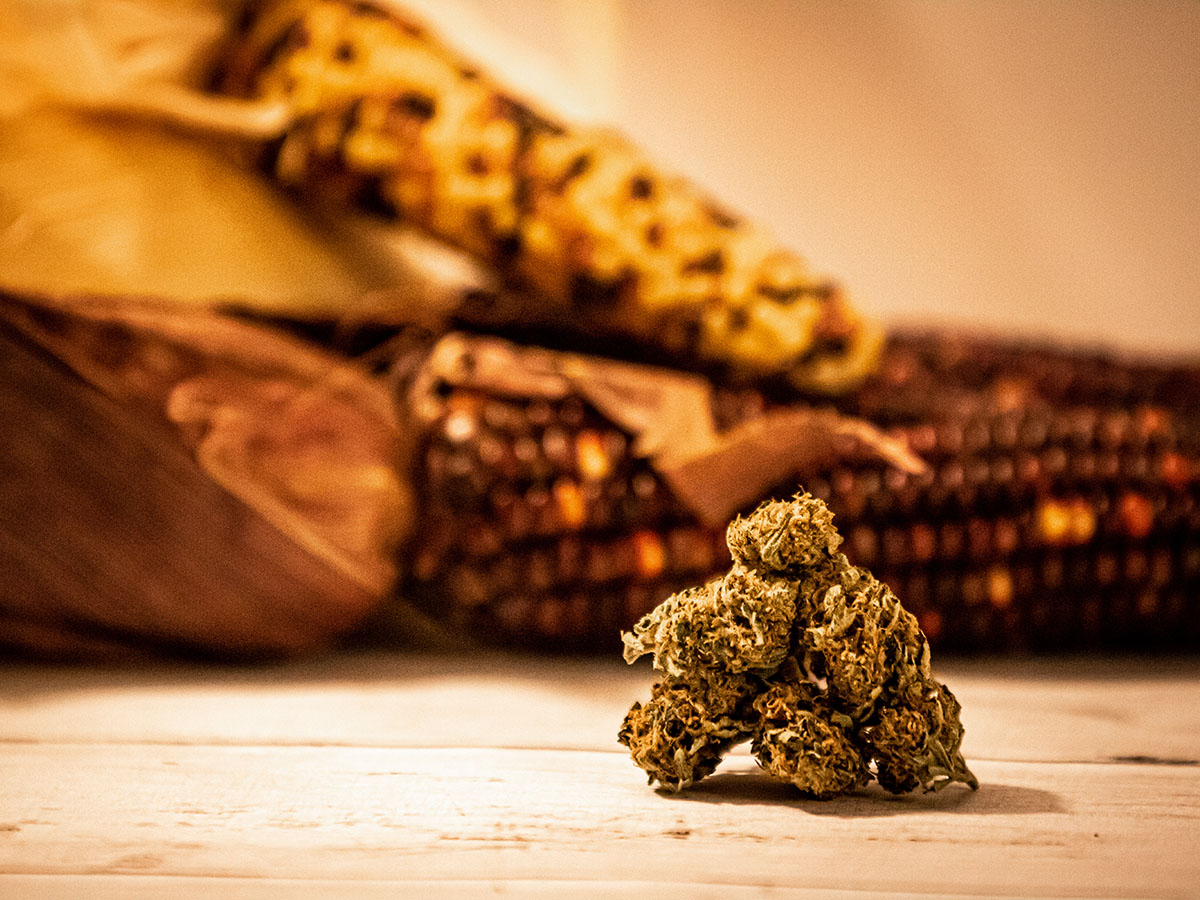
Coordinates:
598	448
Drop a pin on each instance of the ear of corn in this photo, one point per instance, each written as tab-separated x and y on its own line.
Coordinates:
1061	505
1061	509
385	117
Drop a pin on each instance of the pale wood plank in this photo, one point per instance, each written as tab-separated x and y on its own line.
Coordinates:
423	814
1078	710
154	887
374	700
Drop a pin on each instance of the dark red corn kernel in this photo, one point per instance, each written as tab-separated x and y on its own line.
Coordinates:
916	591
1161	568
1060	506
1107	569
924	542
979	539
820	488
1176	470
1006	537
895	546
1136	514
1189	561
1147	604
1137	566
951	540
1053	573
540	413
1024	580
930	621
974	589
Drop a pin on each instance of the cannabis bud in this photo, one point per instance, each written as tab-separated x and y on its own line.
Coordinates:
811	659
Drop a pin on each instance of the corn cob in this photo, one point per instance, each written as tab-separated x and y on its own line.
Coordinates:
539	522
384	117
1061	509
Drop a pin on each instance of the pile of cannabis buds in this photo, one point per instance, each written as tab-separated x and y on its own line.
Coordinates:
812	659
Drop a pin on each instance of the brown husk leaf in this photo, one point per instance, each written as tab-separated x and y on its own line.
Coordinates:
669	415
193	480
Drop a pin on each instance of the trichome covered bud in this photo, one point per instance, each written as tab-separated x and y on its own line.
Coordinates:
739	623
785	537
800	739
685	729
810	658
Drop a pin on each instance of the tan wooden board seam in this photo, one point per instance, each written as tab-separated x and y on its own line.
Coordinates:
1132	760
134	887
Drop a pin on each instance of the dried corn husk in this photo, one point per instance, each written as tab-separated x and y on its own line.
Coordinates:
133	205
180	480
668	416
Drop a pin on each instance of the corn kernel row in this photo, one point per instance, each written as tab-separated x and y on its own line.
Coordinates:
1061	508
386	118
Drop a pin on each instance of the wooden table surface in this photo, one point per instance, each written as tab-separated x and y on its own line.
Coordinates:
380	775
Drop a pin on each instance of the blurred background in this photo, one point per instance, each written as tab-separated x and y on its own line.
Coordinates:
1025	165
1022	165
1021	168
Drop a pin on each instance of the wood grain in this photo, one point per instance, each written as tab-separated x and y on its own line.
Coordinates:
372	775
137	887
401	813
1086	710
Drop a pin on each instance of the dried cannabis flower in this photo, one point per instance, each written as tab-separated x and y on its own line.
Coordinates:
687	727
810	658
739	623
